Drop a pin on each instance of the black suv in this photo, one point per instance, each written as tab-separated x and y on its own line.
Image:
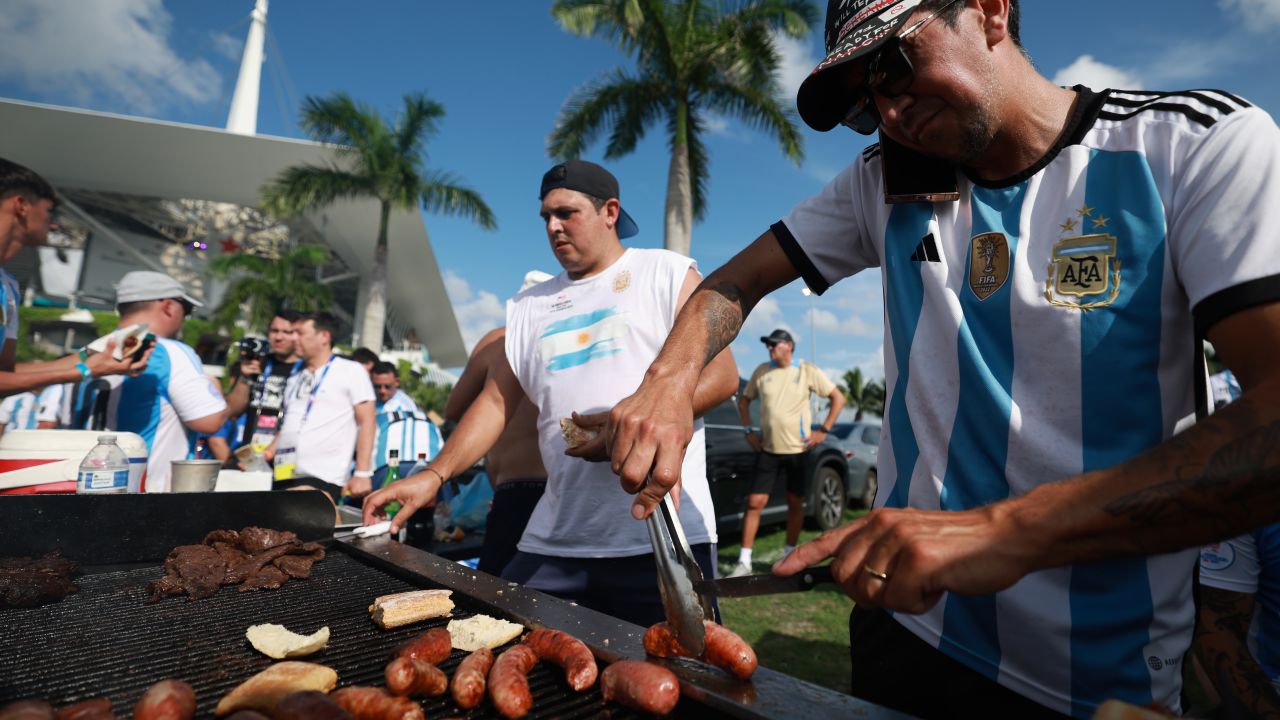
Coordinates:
731	464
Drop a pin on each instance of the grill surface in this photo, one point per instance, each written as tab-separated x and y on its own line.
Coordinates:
105	641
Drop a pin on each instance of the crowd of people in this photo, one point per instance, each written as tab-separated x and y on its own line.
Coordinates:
1050	256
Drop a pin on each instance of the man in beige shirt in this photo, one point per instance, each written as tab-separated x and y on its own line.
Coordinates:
783	387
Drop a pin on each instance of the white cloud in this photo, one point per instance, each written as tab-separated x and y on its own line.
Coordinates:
1258	15
1097	75
228	46
110	52
477	312
829	322
715	124
797	61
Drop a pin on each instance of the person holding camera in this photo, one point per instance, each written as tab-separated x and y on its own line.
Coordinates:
265	369
173	399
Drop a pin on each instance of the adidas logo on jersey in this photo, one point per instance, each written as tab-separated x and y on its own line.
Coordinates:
926	251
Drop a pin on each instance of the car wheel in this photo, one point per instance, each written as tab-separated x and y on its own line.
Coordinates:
869	492
828	498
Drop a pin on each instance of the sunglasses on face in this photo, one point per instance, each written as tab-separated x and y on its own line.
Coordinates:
889	74
379	386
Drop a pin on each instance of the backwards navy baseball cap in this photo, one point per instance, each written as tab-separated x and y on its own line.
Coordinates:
854	28
590	178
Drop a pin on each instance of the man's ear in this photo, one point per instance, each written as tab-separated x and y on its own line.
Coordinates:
995	21
612	210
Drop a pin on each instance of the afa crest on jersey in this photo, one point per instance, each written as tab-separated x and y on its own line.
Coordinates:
1084	271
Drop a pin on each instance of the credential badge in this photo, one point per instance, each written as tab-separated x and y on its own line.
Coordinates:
988	263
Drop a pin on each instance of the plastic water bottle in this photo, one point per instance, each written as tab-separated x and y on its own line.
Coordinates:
393	474
105	469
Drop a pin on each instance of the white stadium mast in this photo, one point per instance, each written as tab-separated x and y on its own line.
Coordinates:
243	117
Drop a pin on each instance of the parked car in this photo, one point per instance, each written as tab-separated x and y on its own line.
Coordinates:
731	464
860	441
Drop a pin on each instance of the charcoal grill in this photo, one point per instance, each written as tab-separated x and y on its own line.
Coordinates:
105	641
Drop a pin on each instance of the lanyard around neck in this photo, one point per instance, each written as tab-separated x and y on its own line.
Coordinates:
311	396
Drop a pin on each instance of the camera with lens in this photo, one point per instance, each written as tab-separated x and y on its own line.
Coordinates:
252	348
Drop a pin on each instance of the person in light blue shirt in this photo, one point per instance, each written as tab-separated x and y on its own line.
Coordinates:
401	425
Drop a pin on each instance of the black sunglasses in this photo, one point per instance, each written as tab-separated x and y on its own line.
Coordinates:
380	386
889	74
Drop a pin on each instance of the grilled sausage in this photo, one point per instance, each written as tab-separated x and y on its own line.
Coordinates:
641	686
371	703
166	700
568	652
468	682
432	646
308	705
27	710
95	709
414	677
509	681
724	648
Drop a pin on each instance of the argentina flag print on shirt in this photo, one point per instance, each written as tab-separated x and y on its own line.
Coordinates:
580	339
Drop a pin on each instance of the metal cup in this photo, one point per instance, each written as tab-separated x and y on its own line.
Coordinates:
193	475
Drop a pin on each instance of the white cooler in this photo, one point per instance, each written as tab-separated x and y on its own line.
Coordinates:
46	461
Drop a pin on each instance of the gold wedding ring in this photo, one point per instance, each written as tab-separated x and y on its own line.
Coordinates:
884	577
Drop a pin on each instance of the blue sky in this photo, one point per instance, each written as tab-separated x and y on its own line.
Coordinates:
502	69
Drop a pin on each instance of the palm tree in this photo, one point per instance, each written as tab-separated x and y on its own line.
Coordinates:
379	161
693	57
266	285
863	397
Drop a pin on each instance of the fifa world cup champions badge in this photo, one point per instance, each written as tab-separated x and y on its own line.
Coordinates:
1084	272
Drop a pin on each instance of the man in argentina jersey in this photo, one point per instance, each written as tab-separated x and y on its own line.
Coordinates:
401	425
575	344
18	412
1238	630
173	399
27	205
1044	296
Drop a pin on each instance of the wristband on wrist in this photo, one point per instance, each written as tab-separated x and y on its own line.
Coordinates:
84	354
440	475
363	474
825	429
85	372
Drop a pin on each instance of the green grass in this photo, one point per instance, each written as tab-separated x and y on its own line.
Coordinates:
805	634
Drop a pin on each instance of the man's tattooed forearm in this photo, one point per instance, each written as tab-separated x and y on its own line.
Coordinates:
1240	478
725	310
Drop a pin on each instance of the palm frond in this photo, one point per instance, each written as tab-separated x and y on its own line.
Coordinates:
760	111
416	123
441	193
306	187
591	108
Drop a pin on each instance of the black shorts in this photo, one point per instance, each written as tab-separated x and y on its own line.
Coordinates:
768	466
513	503
894	668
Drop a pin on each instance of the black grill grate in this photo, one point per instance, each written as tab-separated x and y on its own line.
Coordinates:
105	641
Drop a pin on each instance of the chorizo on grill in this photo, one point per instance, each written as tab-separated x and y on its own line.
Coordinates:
309	705
432	646
641	686
413	677
166	700
371	703
509	681
95	709
724	648
568	652
467	686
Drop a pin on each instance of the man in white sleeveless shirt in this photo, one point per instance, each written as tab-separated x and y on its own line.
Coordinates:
575	345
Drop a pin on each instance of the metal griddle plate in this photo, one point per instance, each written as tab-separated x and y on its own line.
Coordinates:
769	694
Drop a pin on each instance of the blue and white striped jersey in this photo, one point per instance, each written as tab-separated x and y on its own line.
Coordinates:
410	433
10	298
18	411
1250	564
154	405
1045	326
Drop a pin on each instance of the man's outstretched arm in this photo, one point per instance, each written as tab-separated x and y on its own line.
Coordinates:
648	431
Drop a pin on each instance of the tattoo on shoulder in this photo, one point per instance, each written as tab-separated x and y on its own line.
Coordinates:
1239	474
724	313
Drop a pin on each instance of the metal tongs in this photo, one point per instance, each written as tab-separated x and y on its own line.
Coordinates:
678	572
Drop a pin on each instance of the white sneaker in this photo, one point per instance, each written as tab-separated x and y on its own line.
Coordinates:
740	569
